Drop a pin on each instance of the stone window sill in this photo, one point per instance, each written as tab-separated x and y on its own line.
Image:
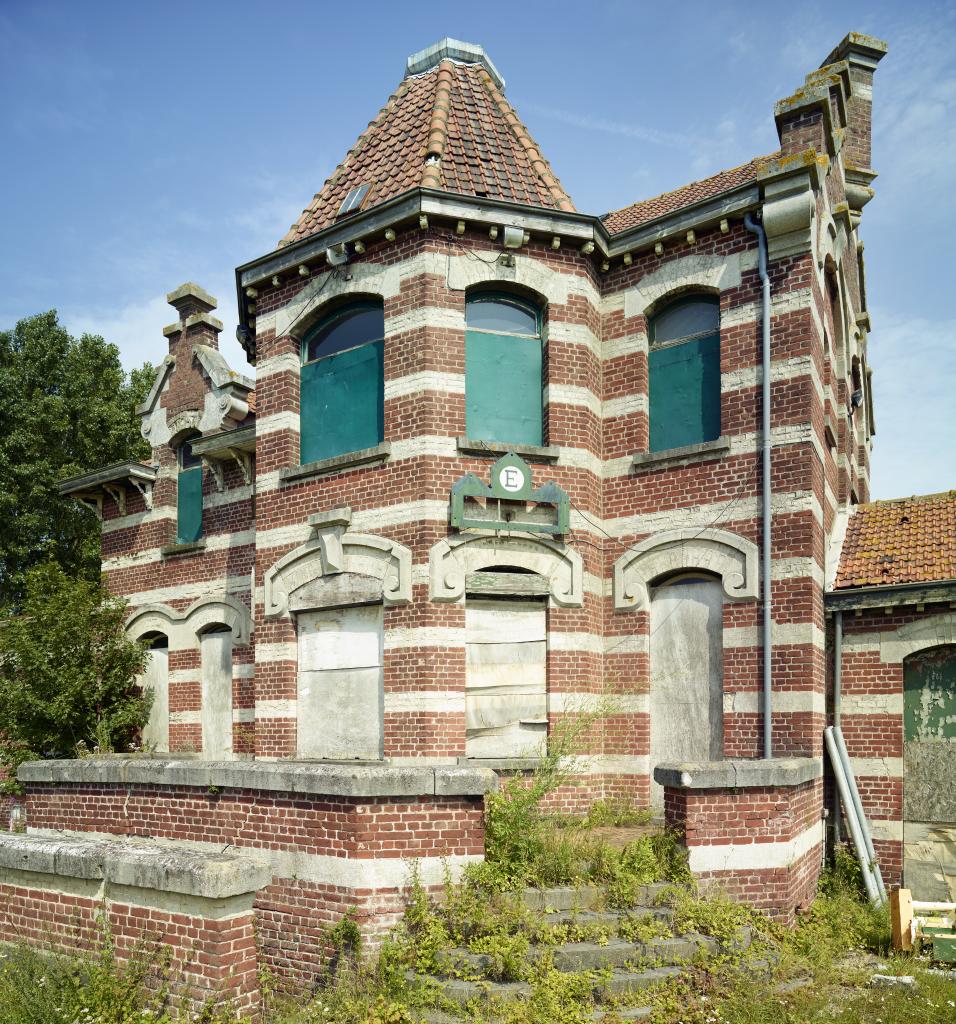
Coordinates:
682	456
194	547
495	449
323	467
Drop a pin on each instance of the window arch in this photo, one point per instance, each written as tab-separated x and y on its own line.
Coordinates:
684	373
342	404
188	493
503	369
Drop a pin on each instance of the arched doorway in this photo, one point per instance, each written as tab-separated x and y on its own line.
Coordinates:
506	663
929	773
687	678
155	680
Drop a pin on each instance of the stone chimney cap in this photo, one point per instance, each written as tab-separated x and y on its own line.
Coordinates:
452	49
191	296
859	49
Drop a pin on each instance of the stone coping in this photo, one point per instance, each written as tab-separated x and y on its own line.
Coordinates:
740	774
305	777
139	864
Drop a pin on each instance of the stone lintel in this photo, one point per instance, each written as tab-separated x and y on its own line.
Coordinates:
316	778
137	864
738	774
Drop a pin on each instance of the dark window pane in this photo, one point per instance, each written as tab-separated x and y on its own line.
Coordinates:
499	314
186	458
355	326
699	315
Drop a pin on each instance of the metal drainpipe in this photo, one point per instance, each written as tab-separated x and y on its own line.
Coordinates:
837	698
757	228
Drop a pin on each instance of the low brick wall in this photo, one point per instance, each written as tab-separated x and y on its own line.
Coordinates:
68	893
336	839
753	827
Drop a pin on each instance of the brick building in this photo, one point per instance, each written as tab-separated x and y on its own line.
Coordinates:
503	462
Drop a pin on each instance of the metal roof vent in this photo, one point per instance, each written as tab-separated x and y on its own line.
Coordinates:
452	49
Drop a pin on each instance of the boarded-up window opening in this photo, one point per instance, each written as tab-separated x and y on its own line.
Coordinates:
216	703
155	680
340	695
506	712
503	370
684	373
342	404
686	647
929	767
188	494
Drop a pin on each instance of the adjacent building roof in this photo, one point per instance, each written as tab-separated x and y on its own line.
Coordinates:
446	127
687	195
908	540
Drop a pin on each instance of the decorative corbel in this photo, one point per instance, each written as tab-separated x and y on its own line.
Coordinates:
328	528
92	501
118	494
146	489
215	467
244	460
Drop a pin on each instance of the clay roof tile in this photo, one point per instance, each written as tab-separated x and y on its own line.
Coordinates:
906	540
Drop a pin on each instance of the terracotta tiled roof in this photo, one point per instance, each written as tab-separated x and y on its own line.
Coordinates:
909	540
697	191
251	402
457	114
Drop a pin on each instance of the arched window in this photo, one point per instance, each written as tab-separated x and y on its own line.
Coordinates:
189	494
503	369
342	406
684	373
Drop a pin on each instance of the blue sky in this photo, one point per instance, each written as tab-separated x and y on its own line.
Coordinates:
147	144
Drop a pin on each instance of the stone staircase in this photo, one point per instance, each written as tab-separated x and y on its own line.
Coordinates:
636	949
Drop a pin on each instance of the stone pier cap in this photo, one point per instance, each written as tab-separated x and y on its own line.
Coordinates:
738	774
362	781
138	864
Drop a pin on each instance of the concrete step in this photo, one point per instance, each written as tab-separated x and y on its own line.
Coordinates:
586	897
605	917
625	1013
460	991
622	983
593	956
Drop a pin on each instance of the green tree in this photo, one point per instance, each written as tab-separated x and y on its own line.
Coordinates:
66	407
67	671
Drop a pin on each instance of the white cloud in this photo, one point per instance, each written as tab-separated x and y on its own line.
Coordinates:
627	129
913	385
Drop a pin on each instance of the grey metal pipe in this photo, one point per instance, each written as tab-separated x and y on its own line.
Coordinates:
869	882
837	700
754	226
858	808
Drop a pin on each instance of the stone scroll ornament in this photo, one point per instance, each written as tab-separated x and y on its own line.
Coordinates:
333	551
734	559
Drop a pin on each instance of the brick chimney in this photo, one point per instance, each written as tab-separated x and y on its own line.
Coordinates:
195	324
862	54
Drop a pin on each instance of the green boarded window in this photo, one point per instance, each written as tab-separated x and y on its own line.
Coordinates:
503	370
189	495
342	405
684	373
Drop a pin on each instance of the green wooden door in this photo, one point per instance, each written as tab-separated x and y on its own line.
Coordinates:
503	388
342	403
929	774
684	399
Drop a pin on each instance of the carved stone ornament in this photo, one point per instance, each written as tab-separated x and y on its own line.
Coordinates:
333	551
450	561
734	559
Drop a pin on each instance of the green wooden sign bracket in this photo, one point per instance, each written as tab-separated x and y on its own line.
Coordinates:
505	500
